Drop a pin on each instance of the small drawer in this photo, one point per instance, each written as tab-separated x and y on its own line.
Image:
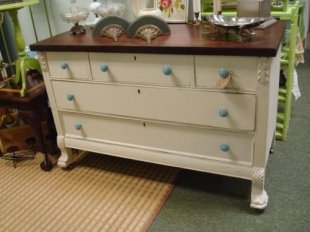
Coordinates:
69	65
190	141
166	70
212	69
180	105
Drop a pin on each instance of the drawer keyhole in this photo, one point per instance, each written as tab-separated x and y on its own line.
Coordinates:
139	91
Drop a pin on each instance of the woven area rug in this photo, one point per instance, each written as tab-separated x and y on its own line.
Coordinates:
101	193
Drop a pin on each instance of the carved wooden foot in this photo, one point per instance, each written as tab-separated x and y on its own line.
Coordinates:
67	156
259	197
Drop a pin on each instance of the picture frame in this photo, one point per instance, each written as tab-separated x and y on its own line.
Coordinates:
173	11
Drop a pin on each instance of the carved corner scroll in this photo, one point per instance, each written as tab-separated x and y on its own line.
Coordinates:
263	70
43	62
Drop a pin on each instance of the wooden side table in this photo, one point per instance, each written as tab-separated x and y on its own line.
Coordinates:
30	108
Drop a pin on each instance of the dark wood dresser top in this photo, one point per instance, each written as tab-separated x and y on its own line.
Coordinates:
184	39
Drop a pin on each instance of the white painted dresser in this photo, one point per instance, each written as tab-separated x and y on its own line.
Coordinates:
161	102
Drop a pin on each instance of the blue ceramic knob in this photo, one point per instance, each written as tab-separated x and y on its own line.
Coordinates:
223	72
167	70
223	112
64	65
104	67
224	147
70	97
78	126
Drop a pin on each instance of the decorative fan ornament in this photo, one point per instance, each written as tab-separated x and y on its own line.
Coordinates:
112	27
148	27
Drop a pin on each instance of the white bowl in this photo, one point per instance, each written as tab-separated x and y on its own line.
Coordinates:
150	11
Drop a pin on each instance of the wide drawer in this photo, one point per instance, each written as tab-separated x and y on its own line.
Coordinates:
243	70
203	143
168	70
69	65
181	105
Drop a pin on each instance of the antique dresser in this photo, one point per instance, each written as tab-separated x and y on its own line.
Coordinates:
168	102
